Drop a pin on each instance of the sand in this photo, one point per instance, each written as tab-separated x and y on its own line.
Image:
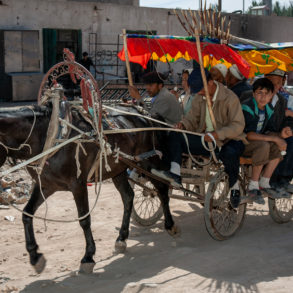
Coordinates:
259	258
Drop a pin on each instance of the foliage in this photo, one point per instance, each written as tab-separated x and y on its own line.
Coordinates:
284	10
277	8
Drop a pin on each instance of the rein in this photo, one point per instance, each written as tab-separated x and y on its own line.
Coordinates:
105	150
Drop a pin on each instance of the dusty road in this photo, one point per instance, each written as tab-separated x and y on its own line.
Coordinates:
258	259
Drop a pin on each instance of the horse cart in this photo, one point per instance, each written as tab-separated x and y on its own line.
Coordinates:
204	181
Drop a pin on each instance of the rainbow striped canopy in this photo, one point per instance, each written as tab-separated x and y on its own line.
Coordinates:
251	61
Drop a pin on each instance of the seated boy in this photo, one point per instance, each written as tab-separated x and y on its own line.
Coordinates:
264	146
283	174
228	134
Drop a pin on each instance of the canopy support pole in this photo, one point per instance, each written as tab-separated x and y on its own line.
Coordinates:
205	84
127	58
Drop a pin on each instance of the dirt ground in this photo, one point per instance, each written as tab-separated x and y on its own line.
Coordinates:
259	258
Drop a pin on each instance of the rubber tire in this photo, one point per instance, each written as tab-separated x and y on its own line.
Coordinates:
212	230
145	222
275	215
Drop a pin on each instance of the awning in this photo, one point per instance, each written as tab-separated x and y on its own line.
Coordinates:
251	60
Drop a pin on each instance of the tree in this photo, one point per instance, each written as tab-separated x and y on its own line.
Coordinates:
277	8
284	10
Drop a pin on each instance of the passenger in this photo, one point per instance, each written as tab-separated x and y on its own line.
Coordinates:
282	120
279	102
228	134
163	103
187	97
264	146
86	61
237	83
219	72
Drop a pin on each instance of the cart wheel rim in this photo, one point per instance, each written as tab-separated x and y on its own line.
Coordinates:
222	221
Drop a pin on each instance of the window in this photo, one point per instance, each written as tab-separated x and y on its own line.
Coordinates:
22	52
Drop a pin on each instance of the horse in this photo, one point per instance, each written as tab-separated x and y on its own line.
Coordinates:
23	135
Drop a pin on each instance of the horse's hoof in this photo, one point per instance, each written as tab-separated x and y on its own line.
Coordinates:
87	267
175	231
40	265
120	246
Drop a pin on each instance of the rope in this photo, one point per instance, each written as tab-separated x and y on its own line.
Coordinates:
210	148
35	158
78	145
64	221
105	151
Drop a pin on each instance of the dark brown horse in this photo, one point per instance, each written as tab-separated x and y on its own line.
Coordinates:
60	171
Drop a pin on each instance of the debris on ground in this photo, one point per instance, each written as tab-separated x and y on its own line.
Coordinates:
15	188
9	218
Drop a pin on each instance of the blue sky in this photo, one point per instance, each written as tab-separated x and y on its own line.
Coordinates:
227	5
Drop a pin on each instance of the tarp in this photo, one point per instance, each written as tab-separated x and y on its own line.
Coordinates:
251	60
142	49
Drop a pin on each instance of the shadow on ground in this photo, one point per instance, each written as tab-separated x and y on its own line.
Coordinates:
260	252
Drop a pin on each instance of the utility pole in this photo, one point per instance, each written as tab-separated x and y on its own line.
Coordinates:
220	5
243	6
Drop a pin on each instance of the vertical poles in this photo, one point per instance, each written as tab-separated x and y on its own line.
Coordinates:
195	32
203	75
220	5
127	58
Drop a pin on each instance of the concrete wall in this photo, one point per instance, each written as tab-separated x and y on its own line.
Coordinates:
107	20
269	29
121	2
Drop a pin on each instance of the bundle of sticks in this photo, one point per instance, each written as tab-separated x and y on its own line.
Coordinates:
210	23
206	23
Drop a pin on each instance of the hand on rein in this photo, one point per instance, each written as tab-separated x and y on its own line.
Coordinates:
208	138
179	125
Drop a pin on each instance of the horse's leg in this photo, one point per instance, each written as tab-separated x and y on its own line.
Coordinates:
80	194
127	195
170	226
37	260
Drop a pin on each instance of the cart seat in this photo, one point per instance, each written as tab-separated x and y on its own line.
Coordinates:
245	161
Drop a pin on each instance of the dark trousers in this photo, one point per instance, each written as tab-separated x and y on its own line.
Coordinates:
230	153
284	171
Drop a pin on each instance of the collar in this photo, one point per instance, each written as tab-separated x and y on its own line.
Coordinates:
267	109
153	99
274	100
238	83
156	96
215	94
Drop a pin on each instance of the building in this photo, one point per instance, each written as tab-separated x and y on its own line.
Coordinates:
33	34
263	10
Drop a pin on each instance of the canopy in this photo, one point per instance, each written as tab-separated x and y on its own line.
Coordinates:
263	60
250	60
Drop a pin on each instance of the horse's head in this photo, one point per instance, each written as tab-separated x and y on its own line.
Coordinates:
21	130
3	155
5	129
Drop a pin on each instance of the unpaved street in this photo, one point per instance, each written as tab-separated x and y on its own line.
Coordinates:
258	259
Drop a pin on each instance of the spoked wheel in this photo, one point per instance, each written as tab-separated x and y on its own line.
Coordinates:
281	210
147	208
221	220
